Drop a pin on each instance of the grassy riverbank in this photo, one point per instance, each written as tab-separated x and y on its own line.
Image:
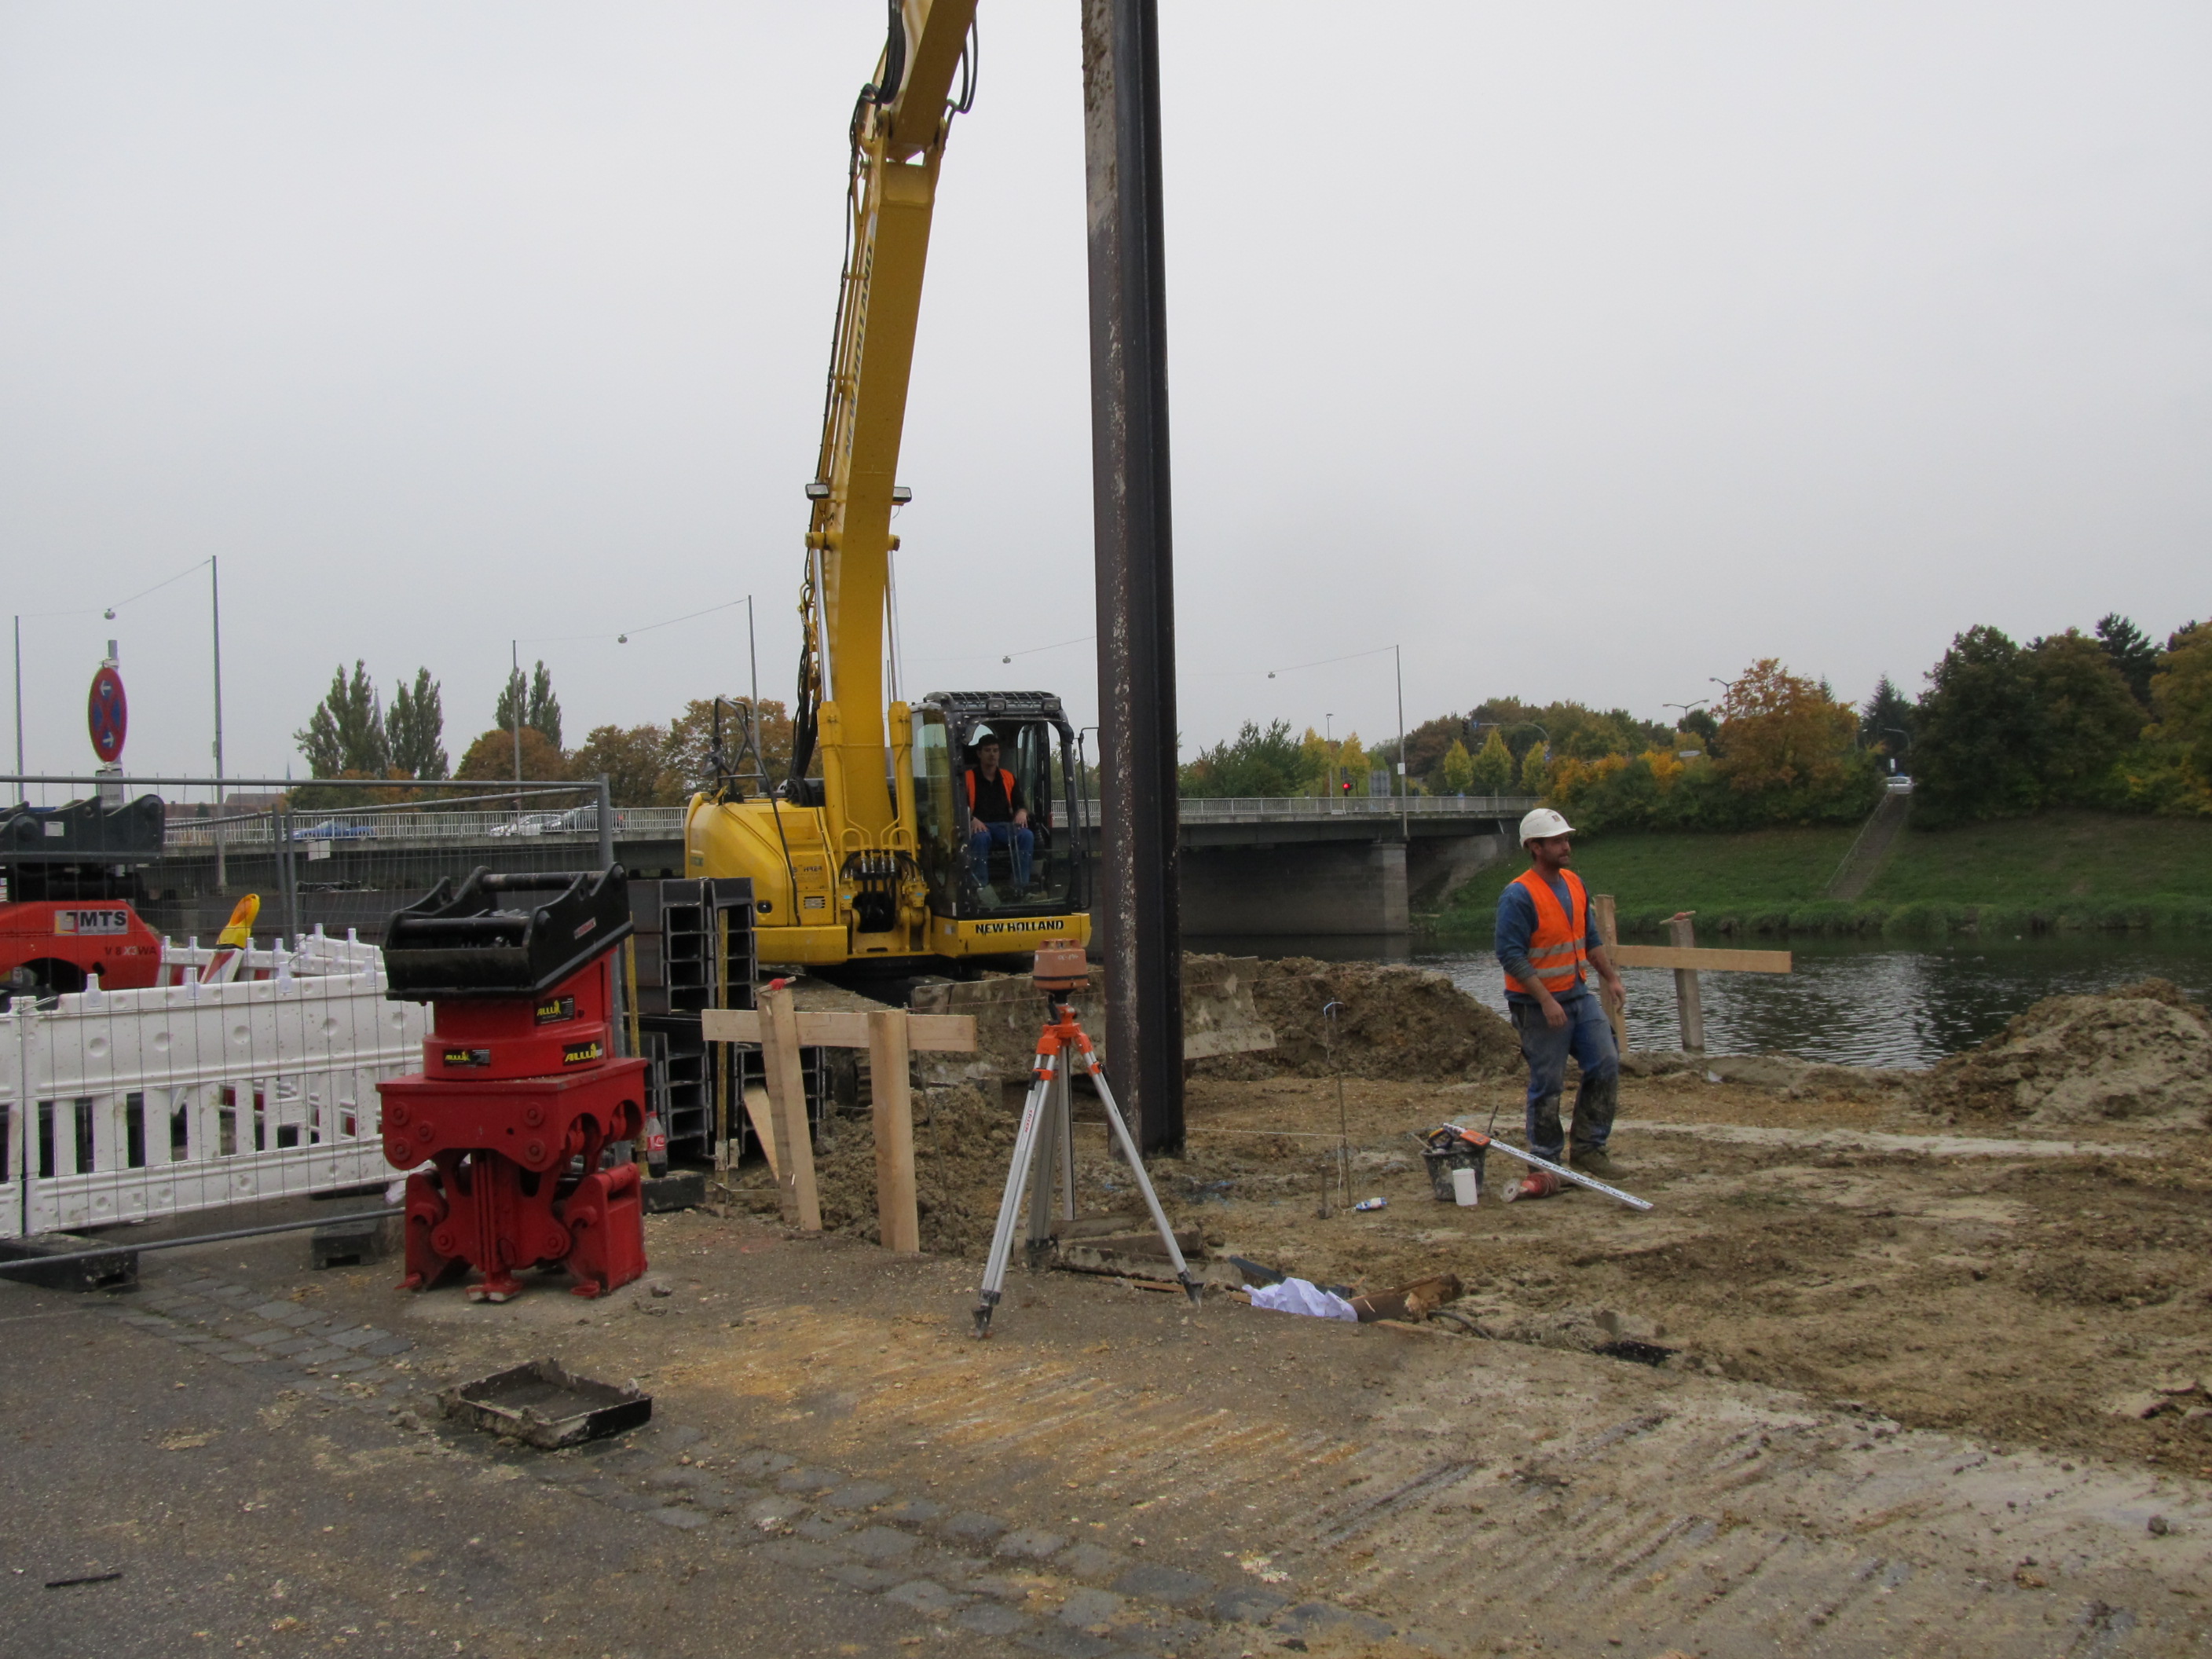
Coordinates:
2059	871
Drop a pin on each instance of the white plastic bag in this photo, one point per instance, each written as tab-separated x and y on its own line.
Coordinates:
1301	1295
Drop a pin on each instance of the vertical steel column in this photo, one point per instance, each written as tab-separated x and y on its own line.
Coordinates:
1138	906
605	816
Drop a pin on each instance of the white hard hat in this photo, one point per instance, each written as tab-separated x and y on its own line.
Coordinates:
1543	824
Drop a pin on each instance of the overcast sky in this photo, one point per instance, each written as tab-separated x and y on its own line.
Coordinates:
1587	351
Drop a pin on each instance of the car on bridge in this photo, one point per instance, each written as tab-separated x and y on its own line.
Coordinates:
586	818
334	829
527	824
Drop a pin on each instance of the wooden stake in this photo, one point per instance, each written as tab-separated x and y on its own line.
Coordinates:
787	1094
1608	932
763	1120
898	1222
1687	1005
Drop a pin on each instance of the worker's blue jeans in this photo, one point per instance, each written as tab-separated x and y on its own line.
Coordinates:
1587	1037
1013	836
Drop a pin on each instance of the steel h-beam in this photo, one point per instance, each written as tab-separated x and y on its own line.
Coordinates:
1141	928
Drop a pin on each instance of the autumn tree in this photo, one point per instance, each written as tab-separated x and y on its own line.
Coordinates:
692	740
1535	770
1456	771
2170	770
636	762
491	758
1787	738
1427	745
1493	768
1570	728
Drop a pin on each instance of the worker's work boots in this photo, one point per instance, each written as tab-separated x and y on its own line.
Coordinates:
1595	1102
1595	1161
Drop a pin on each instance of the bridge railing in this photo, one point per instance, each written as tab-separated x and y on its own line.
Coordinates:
428	828
1316	809
406	827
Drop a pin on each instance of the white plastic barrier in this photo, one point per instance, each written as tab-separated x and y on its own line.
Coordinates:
126	1105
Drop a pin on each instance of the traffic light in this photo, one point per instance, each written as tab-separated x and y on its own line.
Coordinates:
1346	785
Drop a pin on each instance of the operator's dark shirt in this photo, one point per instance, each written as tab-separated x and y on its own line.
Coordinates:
992	805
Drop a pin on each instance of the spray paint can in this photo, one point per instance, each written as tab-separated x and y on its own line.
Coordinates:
1537	1183
1466	1187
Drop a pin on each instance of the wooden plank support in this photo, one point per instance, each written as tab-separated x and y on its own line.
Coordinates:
1608	932
777	1023
890	1036
1689	1003
1710	960
926	1033
898	1222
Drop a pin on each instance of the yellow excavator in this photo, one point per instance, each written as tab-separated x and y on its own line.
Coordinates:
878	857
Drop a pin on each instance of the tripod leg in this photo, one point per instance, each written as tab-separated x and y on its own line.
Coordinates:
1010	1201
1064	1085
1144	1181
1052	1134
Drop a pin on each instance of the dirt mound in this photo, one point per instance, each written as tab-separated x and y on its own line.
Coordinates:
962	1139
2142	1051
1391	1021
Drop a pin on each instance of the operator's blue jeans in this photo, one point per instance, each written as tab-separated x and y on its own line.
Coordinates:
1588	1036
1015	836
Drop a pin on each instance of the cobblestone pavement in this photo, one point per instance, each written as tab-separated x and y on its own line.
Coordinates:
905	1568
835	1467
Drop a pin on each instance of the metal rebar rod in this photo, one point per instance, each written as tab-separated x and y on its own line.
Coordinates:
32	1263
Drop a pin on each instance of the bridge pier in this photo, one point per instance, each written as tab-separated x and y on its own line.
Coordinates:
1311	887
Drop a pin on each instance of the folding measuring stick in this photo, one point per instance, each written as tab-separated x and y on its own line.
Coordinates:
1476	1138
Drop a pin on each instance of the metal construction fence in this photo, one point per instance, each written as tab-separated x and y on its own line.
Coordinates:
131	1105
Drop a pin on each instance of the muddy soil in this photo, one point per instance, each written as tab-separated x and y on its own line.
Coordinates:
2143	1050
2041	1295
2017	1246
2031	1290
1368	1020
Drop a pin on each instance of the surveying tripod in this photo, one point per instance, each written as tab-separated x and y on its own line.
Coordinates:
1044	1146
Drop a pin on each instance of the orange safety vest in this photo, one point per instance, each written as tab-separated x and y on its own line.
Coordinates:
1005	782
1557	949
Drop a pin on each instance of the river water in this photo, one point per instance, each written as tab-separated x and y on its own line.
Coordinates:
1854	1002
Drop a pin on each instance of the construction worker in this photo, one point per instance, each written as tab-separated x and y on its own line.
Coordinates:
997	815
1545	935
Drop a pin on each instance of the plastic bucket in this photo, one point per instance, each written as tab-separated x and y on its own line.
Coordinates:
1443	1162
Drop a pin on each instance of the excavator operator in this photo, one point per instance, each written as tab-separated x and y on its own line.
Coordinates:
997	815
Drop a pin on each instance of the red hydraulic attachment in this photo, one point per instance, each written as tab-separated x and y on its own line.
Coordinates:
519	1097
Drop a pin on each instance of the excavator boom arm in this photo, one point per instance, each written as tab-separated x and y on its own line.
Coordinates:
898	134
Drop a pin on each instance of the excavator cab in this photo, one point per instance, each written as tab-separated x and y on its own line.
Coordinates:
972	876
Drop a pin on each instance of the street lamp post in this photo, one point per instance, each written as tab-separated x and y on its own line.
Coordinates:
514	718
1405	811
215	629
22	790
